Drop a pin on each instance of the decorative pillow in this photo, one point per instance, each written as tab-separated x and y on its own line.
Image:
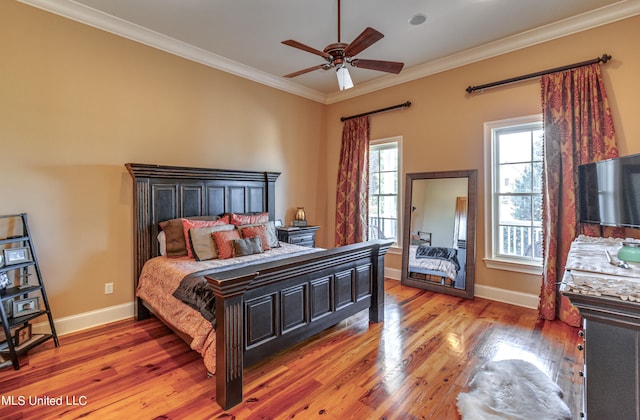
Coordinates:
223	241
248	219
192	224
202	242
253	231
162	243
174	234
272	235
247	246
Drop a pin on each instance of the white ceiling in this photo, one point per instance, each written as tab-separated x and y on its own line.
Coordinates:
244	37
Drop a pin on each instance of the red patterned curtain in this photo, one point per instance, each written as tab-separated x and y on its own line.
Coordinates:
578	129
353	183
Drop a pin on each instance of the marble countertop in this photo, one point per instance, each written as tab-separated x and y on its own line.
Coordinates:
592	274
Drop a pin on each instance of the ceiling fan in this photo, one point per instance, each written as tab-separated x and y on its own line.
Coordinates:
340	54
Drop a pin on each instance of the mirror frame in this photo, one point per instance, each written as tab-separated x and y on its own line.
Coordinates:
472	192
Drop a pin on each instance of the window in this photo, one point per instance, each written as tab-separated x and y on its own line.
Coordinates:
514	188
384	199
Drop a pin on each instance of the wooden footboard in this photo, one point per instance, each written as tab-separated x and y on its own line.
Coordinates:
263	309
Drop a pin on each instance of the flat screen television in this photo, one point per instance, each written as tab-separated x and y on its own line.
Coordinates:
609	192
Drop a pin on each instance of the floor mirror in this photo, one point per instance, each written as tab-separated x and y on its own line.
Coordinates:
438	251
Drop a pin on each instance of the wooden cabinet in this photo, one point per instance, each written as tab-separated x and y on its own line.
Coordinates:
611	341
304	236
611	356
24	298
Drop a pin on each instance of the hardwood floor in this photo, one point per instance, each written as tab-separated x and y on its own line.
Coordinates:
411	366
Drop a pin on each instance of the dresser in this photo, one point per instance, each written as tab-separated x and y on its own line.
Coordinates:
303	236
608	298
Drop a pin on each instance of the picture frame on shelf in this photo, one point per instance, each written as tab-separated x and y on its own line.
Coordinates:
26	306
23	335
16	255
8	308
4	281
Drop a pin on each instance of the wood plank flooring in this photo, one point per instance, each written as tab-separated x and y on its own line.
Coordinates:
412	366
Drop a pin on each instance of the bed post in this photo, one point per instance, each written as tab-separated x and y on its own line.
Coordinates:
271	178
229	295
141	222
376	310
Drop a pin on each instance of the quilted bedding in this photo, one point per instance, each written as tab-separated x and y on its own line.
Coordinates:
161	276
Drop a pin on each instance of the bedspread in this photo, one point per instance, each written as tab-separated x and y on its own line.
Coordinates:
160	277
436	266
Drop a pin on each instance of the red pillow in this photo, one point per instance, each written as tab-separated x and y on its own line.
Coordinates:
249	219
257	230
189	224
224	242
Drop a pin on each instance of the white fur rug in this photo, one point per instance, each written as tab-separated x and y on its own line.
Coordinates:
512	389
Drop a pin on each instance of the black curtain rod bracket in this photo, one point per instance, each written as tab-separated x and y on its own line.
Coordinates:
377	111
603	59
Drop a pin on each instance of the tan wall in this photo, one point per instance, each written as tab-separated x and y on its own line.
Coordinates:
77	103
443	128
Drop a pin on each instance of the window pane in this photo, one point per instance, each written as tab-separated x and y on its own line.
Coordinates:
537	177
514	147
515	178
536	248
538	137
389	206
389	228
374	183
374	160
388	183
537	210
517	167
516	240
515	209
389	159
383	190
373	206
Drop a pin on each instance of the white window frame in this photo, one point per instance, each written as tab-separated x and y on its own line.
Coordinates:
396	248
491	260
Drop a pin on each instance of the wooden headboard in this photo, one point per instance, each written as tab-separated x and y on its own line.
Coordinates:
168	192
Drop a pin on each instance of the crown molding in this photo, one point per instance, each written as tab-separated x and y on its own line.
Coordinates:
562	28
97	19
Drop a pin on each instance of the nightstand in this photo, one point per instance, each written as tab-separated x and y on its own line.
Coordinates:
303	236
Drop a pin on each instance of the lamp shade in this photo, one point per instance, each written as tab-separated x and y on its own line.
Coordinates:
344	79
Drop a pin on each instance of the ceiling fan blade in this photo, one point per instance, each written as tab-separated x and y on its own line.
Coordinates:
301	46
299	72
367	38
388	66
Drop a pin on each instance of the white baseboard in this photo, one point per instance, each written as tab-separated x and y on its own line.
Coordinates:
526	300
86	320
392	273
102	316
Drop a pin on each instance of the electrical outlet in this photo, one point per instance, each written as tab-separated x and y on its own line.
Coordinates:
108	288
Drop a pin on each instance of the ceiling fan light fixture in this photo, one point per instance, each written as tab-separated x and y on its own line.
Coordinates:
344	79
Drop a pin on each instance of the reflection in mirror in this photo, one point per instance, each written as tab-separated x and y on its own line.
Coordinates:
439	232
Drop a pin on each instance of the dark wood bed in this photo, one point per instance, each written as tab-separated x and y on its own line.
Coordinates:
264	308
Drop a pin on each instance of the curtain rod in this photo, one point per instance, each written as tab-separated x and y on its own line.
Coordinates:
603	59
377	111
